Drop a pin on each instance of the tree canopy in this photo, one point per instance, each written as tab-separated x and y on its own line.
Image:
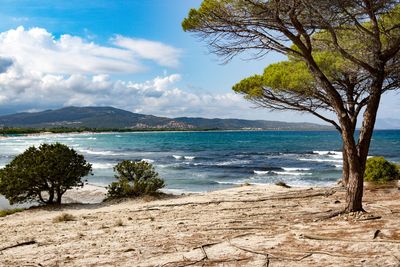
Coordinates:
43	174
135	178
342	56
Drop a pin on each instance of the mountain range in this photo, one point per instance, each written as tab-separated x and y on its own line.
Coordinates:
113	118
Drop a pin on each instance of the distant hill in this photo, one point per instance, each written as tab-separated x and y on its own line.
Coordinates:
113	118
248	124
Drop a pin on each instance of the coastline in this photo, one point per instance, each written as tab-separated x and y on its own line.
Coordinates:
241	226
123	131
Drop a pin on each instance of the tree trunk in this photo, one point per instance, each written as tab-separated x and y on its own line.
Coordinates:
59	195
345	170
58	200
51	196
355	171
355	185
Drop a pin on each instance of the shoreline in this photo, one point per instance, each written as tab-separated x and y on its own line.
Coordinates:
96	194
5	135
232	227
8	135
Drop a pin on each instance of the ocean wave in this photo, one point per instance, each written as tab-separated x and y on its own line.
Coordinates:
261	172
173	166
295	169
292	173
232	162
103	153
321	160
333	154
101	166
148	160
230	183
184	157
338	166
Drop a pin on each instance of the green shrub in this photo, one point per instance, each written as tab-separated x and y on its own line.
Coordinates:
43	174
379	170
134	179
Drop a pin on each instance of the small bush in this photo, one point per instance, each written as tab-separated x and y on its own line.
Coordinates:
64	217
379	170
134	179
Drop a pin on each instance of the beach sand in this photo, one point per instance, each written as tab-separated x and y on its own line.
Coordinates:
242	226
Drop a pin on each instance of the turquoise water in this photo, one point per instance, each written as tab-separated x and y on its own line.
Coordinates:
205	161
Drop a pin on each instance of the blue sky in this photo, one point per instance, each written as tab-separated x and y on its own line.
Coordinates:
128	54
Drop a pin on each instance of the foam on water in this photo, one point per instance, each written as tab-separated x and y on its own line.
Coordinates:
292	173
103	153
184	157
101	166
320	160
295	169
232	162
261	172
194	161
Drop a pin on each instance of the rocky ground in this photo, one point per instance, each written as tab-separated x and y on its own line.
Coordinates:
243	226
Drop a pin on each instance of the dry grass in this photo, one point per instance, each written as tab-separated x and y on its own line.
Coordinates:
64	217
4	213
119	222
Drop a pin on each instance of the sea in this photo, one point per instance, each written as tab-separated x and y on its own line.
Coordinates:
207	161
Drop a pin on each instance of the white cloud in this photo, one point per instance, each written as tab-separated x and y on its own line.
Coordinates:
164	55
38	50
161	96
38	71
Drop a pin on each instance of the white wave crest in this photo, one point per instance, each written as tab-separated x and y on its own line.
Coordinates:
333	154
184	157
321	160
102	166
148	160
232	162
261	172
295	169
232	183
292	173
103	153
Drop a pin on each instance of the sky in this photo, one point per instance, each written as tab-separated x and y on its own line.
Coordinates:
129	54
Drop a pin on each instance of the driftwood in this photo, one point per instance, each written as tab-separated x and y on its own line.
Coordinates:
309	253
27	243
273	256
323	238
369	218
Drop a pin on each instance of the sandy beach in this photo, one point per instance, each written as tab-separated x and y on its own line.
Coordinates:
242	226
